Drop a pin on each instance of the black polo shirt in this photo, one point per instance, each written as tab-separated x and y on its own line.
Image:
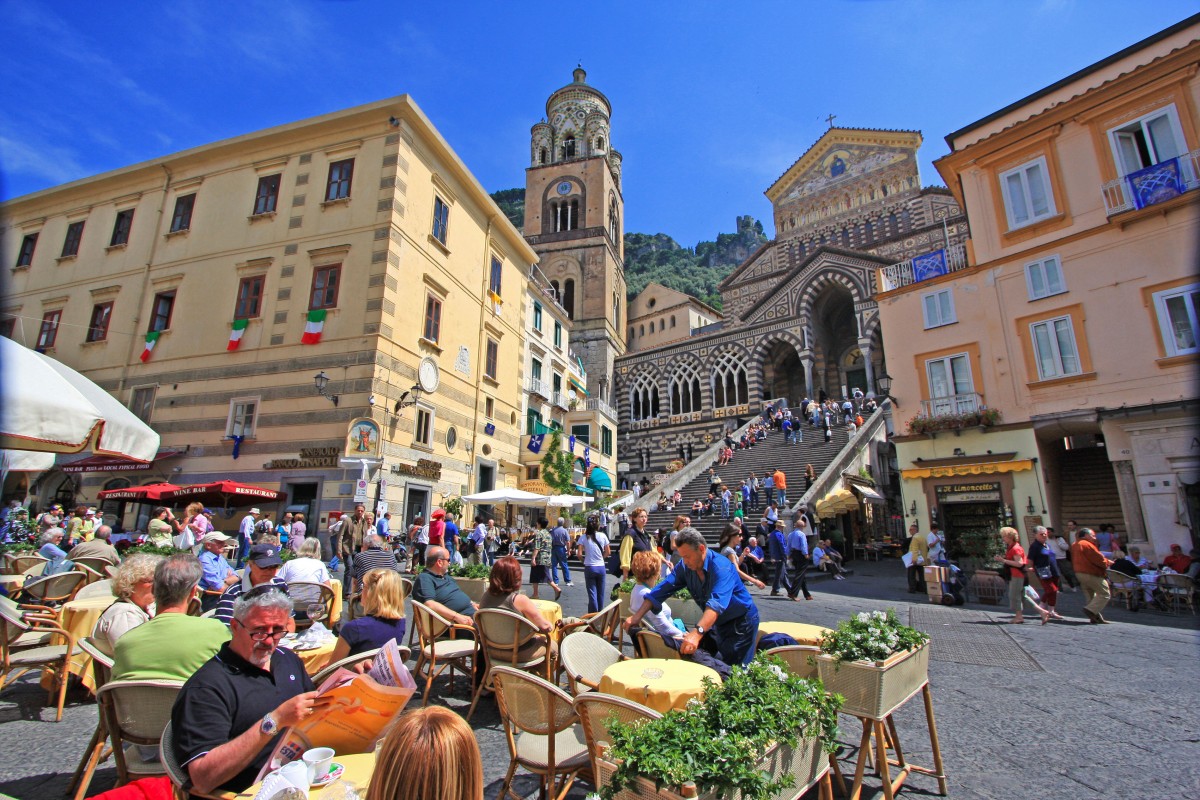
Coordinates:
226	697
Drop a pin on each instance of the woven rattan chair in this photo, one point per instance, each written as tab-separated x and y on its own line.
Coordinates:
303	594
501	635
90	575
605	623
136	712
595	710
1125	587
53	590
650	644
181	782
1177	591
797	658
542	729
100	588
111	570
451	653
584	658
23	649
95	564
97	750
22	563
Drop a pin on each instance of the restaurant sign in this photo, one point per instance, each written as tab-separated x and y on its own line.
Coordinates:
425	468
969	493
310	458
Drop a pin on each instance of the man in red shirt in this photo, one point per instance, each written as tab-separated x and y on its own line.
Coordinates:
1091	567
1177	560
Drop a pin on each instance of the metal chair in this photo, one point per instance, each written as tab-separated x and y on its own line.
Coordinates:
650	644
796	658
453	653
136	712
97	749
23	649
181	782
502	635
595	710
584	658
53	590
542	731
605	623
1178	590
100	588
1127	587
306	593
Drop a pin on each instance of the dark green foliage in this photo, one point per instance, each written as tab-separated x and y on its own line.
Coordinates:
512	203
558	466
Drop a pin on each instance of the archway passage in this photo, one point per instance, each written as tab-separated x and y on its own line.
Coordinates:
783	374
835	334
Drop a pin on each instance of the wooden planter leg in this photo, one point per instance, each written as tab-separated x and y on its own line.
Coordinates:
881	759
825	792
836	769
895	741
933	741
864	747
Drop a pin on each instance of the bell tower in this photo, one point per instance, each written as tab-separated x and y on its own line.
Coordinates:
573	219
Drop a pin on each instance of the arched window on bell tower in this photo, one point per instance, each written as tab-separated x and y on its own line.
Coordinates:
614	220
569	146
568	297
542	156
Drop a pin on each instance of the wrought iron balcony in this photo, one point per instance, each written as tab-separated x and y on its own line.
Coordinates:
923	267
951	404
596	404
1154	184
559	400
539	387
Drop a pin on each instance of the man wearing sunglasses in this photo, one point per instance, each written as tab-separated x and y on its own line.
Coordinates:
261	570
229	715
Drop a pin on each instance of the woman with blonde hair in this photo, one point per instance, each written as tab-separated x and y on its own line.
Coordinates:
1015	561
134	590
195	526
407	770
383	602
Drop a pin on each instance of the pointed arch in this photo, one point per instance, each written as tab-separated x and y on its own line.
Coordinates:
728	378
683	388
643	398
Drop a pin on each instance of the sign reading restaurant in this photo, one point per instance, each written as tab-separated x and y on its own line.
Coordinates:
310	458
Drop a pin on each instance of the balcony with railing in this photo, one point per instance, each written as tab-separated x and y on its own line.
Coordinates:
596	404
539	387
559	399
1153	185
923	267
953	412
951	404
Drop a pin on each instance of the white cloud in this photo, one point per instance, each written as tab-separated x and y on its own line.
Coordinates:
44	162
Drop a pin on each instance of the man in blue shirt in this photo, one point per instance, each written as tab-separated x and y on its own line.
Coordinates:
218	575
560	540
777	557
798	555
729	626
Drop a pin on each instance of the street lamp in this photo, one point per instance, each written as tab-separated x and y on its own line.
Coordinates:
321	381
884	386
407	399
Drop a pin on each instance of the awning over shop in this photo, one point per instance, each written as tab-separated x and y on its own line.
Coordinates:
599	480
991	468
576	383
868	494
114	463
836	502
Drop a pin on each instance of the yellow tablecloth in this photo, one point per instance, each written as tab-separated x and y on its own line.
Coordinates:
78	617
11	583
336	613
802	632
658	683
551	610
318	658
358	769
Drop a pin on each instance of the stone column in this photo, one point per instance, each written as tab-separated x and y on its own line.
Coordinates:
807	360
1131	502
865	346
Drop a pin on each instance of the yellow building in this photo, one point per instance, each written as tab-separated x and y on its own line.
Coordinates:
362	227
660	315
1049	367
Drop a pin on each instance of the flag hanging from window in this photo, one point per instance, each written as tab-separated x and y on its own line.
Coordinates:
237	330
587	457
535	442
151	340
314	326
571	442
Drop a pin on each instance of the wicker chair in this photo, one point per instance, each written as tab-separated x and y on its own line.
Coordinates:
605	623
97	750
543	737
302	593
650	644
501	635
453	653
53	590
1178	590
1126	587
22	563
595	710
111	570
584	659
796	657
136	712
100	588
180	781
24	647
90	575
95	564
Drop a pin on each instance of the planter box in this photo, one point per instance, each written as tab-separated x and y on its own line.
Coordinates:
875	690
472	587
805	762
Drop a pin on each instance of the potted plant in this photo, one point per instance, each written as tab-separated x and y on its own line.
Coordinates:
874	662
472	579
761	735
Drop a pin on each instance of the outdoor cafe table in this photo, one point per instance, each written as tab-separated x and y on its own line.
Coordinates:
358	769
549	609
78	617
802	632
316	658
659	683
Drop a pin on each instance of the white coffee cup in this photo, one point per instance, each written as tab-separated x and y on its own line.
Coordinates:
296	774
318	760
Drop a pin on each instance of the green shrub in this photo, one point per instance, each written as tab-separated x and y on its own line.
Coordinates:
476	571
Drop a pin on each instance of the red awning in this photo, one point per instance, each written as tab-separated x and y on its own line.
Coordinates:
114	463
145	494
224	493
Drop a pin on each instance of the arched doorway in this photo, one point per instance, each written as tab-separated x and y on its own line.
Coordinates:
834	337
56	487
783	374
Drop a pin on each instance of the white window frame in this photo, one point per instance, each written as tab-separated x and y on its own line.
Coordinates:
1142	122
1060	368
1048	188
1164	319
942	313
427	442
1042	269
232	421
947	403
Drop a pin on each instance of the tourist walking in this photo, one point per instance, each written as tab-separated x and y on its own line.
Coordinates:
1091	567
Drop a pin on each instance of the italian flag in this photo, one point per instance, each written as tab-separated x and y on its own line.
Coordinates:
238	329
313	327
151	340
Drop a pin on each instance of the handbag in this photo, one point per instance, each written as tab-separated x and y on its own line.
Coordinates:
1044	573
613	566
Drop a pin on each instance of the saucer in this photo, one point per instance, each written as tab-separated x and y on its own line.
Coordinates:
335	772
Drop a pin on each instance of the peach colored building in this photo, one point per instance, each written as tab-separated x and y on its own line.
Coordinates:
660	315
1050	367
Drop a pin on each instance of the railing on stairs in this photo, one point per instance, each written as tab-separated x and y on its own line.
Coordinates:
854	455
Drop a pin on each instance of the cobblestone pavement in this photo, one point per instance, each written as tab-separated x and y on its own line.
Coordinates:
1069	710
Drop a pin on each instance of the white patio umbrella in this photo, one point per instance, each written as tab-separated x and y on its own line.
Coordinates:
505	496
47	407
25	461
568	500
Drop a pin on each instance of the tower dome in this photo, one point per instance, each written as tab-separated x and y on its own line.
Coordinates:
576	123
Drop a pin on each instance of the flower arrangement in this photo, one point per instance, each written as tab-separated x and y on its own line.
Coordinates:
871	636
716	743
626	587
984	416
480	572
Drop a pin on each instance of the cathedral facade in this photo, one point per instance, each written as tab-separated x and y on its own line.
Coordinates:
800	314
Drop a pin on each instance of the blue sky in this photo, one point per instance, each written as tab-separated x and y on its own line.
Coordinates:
711	101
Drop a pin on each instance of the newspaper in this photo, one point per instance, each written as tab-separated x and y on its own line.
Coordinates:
362	706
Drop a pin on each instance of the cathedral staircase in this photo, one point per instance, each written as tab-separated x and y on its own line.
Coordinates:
1088	490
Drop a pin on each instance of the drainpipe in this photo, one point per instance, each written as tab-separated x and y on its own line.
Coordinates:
481	351
145	281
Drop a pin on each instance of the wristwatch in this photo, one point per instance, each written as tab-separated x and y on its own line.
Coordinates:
700	629
268	726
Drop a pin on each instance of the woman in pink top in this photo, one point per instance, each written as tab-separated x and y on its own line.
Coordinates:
1014	559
